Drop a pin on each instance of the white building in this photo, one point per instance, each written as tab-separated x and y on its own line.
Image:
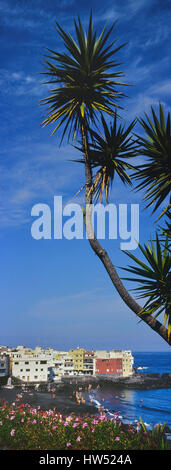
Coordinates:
89	363
102	354
38	365
63	366
31	367
128	361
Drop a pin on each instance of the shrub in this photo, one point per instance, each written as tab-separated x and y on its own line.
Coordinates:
25	427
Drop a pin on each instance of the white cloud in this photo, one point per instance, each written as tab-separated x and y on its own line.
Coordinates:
27	16
19	83
120	12
161	88
142	102
22	196
37	171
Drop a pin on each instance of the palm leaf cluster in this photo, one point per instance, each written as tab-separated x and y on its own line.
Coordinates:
155	175
83	79
166	229
109	152
154	279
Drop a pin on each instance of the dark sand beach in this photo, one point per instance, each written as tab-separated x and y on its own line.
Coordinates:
63	399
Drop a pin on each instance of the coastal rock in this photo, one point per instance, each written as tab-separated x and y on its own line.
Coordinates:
140	381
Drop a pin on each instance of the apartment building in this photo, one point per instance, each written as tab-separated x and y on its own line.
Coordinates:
128	362
31	367
110	366
78	357
62	367
102	354
39	365
4	365
89	363
117	362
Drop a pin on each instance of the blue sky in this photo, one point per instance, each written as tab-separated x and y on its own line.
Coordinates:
55	292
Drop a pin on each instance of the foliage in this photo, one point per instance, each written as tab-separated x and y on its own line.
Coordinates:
26	428
154	278
86	86
166	229
85	83
155	175
109	153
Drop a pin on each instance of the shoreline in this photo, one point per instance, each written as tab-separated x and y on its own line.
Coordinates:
65	397
136	381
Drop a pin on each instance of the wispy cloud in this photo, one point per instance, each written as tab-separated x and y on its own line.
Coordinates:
95	300
120	12
19	84
163	89
41	174
28	16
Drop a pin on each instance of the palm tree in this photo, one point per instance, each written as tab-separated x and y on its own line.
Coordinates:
86	85
155	174
154	279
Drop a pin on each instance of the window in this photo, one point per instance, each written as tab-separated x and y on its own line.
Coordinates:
27	370
43	362
16	363
26	362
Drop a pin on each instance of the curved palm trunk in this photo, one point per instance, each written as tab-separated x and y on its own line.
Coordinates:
104	257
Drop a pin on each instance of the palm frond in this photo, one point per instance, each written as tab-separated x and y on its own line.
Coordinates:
155	175
153	278
109	152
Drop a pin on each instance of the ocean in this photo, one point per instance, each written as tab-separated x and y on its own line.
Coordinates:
152	406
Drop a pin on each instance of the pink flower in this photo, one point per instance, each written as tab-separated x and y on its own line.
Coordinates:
84	425
68	444
54	427
95	421
78	438
12	432
92	430
66	423
102	417
69	418
75	425
34	421
117	438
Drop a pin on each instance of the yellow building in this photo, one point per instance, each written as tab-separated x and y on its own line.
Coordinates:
128	361
78	357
